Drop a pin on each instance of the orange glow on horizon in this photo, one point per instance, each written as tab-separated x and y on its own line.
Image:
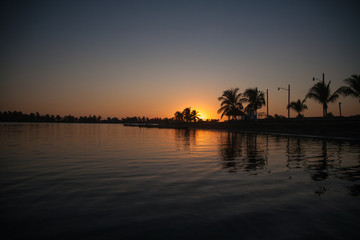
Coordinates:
203	115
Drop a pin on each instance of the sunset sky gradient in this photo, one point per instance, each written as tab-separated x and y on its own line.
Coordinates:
152	58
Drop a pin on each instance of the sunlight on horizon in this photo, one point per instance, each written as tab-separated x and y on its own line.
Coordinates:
204	115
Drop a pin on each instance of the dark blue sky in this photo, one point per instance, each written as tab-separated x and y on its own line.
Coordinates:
119	58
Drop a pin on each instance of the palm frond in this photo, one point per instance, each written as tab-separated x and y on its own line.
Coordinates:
333	97
353	86
230	102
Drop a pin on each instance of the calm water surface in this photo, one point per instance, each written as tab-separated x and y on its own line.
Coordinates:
89	181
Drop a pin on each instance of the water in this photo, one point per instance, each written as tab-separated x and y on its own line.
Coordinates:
90	181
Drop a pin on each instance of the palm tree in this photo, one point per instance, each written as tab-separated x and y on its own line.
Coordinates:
353	88
187	114
194	115
230	103
298	106
255	98
179	116
321	93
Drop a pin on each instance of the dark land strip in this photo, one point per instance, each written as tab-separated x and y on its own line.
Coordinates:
340	128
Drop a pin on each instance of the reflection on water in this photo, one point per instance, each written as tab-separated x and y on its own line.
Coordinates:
320	166
319	158
246	152
295	153
89	181
323	159
185	138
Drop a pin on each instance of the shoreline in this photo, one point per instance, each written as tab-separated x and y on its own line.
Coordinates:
341	129
346	129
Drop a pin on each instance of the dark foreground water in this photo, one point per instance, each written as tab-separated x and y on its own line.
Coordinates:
83	181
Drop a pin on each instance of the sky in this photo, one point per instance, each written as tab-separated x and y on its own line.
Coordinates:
153	58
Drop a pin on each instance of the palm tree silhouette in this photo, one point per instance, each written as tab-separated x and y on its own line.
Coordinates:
298	106
194	115
321	93
187	114
231	103
255	98
353	88
179	116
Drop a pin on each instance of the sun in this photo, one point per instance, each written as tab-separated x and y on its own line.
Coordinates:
203	115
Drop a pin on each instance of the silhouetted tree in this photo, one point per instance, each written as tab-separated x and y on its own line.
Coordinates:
58	118
255	98
353	88
37	116
32	117
298	106
194	115
231	103
321	93
187	114
179	116
69	118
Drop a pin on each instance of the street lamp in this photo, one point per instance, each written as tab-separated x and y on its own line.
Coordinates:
288	89
323	78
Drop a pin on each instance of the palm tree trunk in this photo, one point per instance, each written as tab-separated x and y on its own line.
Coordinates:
324	110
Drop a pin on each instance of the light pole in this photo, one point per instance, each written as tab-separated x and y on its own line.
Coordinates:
288	89
340	109
323	78
267	103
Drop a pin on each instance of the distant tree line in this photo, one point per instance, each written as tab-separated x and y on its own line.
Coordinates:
18	116
144	120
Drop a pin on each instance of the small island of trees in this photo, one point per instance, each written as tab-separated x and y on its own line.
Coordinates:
187	115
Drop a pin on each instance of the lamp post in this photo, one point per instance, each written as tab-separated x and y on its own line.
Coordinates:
267	103
323	78
288	89
340	109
